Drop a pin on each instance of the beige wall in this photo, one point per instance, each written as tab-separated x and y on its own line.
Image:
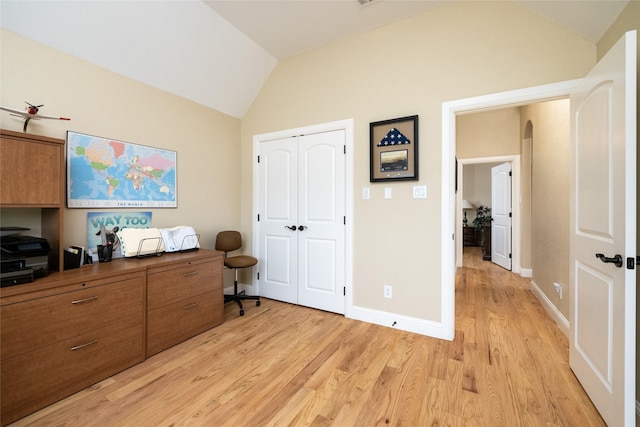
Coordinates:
411	67
550	197
102	103
488	134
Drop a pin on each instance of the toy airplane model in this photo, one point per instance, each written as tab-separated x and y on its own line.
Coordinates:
30	112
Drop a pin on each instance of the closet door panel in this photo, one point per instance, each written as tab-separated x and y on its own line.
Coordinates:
277	204
322	215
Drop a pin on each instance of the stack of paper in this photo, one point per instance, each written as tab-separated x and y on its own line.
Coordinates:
180	238
140	241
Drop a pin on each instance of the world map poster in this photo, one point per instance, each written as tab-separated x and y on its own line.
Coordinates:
105	173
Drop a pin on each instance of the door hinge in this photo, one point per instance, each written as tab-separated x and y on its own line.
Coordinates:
258	275
344	291
258	159
344	149
258	217
344	220
509	256
509	173
510	214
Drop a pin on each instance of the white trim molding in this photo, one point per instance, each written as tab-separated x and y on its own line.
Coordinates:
398	321
561	321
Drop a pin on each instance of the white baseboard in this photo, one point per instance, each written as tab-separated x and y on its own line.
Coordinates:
398	321
526	272
553	311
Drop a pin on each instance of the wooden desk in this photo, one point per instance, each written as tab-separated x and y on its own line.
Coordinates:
71	329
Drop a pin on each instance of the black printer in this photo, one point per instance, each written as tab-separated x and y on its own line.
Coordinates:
22	259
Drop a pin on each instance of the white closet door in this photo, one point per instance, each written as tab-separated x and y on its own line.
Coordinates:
302	213
278	207
321	213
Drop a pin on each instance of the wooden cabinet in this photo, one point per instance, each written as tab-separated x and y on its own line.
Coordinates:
32	170
32	176
71	329
56	345
470	236
183	299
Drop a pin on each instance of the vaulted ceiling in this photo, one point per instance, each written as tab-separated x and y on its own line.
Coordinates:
219	53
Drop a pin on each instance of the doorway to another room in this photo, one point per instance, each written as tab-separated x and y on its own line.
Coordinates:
488	218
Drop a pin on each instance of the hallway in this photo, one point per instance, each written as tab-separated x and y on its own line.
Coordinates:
513	350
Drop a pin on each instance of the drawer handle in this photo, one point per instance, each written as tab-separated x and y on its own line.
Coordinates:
188	306
80	301
191	273
78	347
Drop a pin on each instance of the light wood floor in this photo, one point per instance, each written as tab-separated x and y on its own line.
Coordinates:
286	365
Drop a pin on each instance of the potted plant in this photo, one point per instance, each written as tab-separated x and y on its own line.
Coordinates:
483	216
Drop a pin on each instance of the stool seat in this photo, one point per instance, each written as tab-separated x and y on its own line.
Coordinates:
240	261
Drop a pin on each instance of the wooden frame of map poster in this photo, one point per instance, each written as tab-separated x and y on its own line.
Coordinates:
394	150
107	173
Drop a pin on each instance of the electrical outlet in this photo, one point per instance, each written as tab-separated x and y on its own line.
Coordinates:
420	192
558	287
388	291
366	194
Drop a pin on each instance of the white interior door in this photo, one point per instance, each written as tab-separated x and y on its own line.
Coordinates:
501	215
278	207
321	214
301	202
603	221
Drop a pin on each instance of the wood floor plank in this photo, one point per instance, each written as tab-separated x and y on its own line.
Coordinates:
284	365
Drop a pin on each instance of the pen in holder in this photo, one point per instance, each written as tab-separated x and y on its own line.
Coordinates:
104	252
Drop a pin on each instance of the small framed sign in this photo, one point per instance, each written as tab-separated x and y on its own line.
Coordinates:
394	150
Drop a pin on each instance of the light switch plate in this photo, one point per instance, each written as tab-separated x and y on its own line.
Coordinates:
419	191
365	193
388	193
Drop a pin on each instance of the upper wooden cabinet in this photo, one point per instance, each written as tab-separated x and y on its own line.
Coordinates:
32	176
32	172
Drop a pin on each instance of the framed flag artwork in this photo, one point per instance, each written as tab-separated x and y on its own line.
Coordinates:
394	150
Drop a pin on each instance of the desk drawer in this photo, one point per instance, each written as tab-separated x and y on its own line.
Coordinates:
32	324
181	320
47	374
186	280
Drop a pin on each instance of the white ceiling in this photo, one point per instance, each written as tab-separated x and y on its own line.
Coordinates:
220	52
288	27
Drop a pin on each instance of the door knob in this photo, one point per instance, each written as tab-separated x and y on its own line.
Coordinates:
617	259
301	227
290	227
